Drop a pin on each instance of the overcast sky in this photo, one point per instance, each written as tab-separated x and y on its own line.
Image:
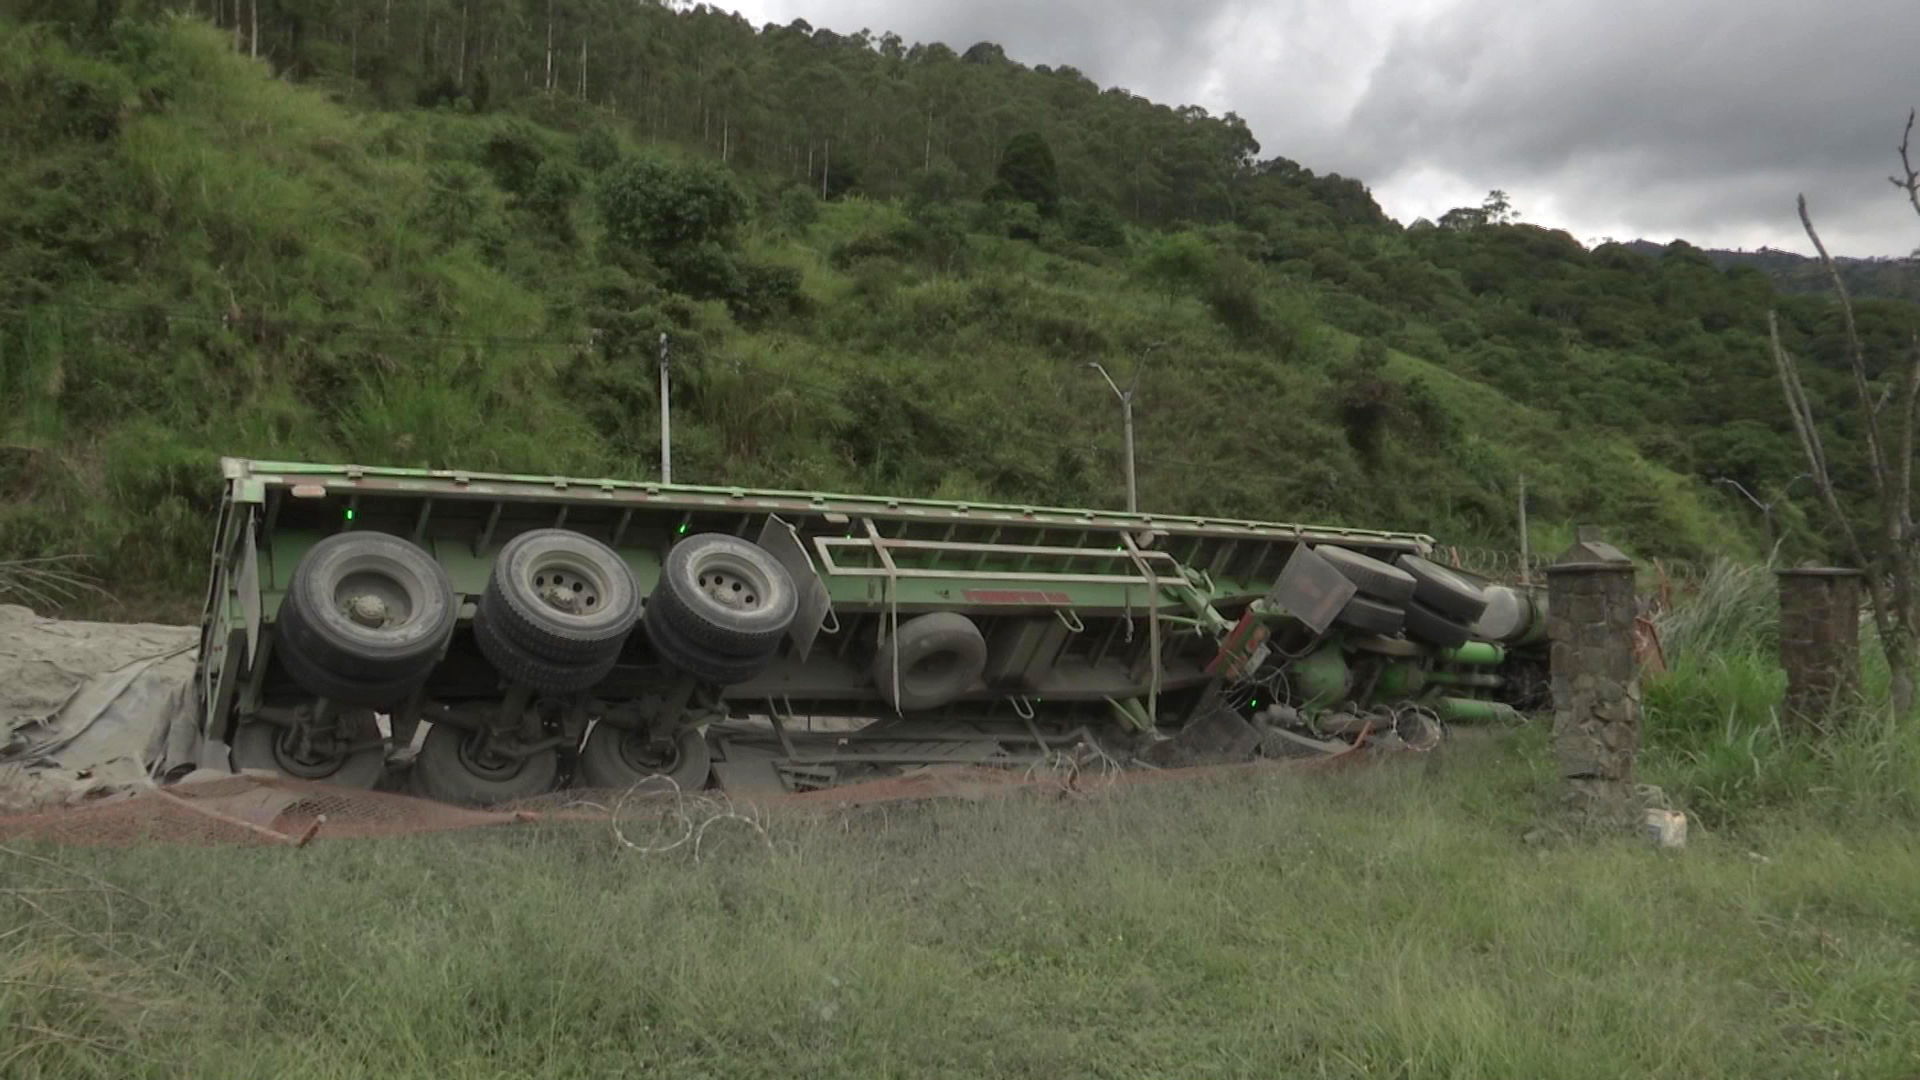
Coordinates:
1655	119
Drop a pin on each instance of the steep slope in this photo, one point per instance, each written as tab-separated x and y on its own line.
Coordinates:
197	258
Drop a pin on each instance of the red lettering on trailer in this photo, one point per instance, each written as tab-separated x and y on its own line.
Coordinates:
1014	596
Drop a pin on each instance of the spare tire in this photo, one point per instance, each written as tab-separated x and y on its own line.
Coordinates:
1372	616
1428	625
369	608
940	655
1375	579
725	594
1445	591
563	596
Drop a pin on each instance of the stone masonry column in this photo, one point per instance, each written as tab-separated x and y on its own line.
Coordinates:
1596	679
1819	642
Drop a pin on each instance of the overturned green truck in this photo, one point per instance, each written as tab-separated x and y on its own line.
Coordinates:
514	634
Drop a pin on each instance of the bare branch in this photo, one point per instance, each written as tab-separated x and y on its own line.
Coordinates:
1910	185
1907	420
1857	360
1803	426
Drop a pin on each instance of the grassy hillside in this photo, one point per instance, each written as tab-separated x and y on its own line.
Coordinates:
203	259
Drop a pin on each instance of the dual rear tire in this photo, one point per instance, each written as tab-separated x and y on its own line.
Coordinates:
1413	596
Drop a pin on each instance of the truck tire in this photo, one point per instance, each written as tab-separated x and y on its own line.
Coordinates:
618	758
446	770
1375	579
522	667
262	745
1445	591
322	683
1428	625
1372	616
562	596
372	608
941	655
706	665
725	594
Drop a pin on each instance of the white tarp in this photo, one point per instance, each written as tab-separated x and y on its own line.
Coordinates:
87	708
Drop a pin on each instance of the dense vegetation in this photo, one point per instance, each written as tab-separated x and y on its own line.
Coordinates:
421	234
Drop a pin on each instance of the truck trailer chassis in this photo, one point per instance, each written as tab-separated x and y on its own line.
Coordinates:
552	630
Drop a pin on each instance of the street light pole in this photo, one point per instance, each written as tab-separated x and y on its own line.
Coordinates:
666	419
1126	419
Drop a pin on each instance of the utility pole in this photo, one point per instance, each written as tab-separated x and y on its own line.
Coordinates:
1126	418
1526	554
666	418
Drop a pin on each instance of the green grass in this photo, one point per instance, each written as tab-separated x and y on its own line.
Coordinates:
1395	921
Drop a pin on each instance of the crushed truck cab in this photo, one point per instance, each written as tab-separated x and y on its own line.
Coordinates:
550	630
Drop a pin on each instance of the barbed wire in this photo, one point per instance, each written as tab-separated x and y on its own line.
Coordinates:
689	817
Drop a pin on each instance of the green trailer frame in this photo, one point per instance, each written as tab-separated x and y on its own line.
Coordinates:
1096	620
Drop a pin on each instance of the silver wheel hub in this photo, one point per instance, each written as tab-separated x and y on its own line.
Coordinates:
368	610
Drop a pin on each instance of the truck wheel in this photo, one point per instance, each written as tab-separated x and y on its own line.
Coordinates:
262	745
618	758
1505	617
1445	591
707	665
563	596
450	769
1374	579
323	683
941	656
371	607
521	667
725	594
1428	625
1372	616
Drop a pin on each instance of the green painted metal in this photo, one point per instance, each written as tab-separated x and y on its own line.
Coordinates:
1403	679
1322	676
1476	654
1471	710
250	482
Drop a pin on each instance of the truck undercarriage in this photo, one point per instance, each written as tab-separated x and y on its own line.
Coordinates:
545	631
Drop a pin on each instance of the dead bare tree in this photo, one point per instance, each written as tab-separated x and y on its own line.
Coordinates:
1887	554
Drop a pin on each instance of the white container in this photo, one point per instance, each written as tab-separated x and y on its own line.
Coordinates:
1667	828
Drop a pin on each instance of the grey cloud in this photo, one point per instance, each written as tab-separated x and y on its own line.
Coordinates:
1687	117
1658	118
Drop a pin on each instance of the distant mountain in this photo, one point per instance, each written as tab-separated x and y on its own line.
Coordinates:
1885	276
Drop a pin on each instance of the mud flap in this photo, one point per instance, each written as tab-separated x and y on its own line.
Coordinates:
780	540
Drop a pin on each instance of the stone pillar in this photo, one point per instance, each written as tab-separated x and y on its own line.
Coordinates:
1596	680
1819	641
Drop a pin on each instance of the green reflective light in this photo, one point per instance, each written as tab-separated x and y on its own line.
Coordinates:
349	515
1254	704
683	530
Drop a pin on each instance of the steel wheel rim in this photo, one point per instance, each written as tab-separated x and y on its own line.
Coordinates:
567	584
370	599
485	766
286	743
725	580
639	753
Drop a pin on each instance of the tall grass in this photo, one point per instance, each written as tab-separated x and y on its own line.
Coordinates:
1715	736
1382	922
